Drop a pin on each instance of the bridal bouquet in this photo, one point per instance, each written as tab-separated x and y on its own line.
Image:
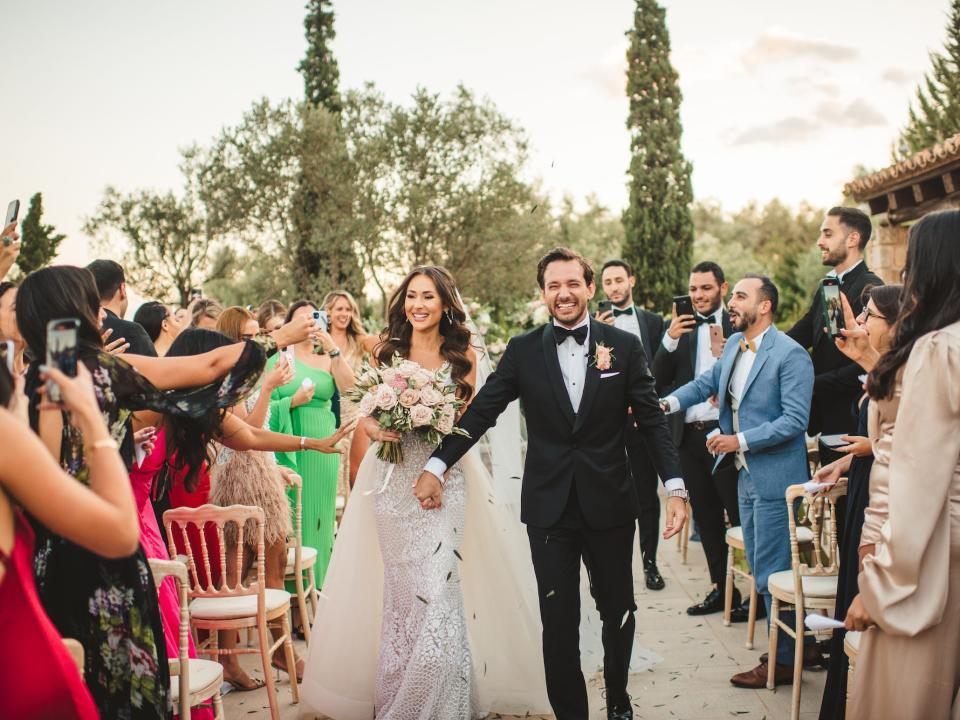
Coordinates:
406	397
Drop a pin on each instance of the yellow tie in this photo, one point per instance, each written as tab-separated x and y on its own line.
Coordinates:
747	345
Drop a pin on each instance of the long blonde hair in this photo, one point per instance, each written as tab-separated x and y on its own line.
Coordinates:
355	328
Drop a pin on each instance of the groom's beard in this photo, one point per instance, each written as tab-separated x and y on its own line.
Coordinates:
570	316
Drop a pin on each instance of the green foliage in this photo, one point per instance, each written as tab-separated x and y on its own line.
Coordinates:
595	233
441	182
39	242
657	222
773	240
936	115
166	249
321	76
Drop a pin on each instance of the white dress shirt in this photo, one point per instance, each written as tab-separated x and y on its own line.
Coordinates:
705	411
841	276
629	322
573	359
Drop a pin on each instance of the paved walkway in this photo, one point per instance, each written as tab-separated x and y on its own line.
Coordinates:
692	681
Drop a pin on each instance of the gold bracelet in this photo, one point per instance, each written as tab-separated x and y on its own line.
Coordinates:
104	443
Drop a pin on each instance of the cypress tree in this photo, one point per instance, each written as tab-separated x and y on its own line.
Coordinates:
324	250
936	115
39	242
658	226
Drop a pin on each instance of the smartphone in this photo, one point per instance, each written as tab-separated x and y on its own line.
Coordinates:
605	306
61	352
684	305
321	320
13	212
716	340
832	307
290	357
196	293
8	349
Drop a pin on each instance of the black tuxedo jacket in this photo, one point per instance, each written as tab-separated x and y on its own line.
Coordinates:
133	333
677	368
585	449
651	334
835	385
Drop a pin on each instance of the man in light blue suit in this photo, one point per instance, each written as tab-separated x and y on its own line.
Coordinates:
764	384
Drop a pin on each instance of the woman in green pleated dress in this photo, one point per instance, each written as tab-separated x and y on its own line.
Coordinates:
302	407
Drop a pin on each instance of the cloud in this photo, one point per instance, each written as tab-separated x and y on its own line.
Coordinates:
610	73
805	85
788	130
897	76
858	114
775	47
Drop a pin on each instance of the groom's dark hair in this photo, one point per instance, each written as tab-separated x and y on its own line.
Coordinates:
562	254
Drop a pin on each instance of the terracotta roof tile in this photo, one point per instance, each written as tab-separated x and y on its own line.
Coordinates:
920	164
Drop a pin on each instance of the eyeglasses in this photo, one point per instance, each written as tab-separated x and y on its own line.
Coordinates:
868	313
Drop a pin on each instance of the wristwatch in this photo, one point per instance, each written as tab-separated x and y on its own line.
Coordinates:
680	493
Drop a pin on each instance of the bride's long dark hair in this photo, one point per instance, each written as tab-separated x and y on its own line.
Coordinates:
455	343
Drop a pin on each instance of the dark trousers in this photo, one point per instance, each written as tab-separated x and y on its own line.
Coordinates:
646	481
608	556
710	495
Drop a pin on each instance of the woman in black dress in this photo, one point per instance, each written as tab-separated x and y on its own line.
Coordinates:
879	314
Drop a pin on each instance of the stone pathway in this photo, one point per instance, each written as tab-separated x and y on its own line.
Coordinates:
692	682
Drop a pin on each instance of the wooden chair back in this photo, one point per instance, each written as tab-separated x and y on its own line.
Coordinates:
180	667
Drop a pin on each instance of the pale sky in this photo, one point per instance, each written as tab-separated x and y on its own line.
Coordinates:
781	98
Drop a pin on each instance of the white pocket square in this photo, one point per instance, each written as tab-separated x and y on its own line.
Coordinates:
606	375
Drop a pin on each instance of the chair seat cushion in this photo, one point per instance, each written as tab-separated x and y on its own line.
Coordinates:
735	536
814	586
204	674
308	557
231	608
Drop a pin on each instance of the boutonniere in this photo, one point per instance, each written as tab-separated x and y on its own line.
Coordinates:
603	357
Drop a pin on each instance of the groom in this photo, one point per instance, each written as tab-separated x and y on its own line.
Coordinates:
576	378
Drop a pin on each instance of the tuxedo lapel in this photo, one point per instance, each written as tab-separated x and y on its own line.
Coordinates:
644	335
554	376
693	340
592	381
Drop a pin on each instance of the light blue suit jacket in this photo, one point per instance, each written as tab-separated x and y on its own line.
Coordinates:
773	412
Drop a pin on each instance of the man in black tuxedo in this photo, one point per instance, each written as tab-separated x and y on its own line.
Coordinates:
688	350
576	377
112	286
618	281
844	234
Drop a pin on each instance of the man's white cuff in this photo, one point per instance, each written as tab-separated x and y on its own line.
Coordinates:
437	467
743	442
673	405
668	343
674	484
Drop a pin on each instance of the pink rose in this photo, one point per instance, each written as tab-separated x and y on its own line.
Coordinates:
445	423
368	403
429	395
407	368
421	416
420	378
604	357
389	376
386	397
399	384
409	398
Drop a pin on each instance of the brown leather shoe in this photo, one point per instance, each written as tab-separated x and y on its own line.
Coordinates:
812	657
756	679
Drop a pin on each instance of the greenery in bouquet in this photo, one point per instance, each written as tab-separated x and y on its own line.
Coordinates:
406	397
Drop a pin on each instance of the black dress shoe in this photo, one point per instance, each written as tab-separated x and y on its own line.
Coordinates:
654	578
741	613
713	602
620	713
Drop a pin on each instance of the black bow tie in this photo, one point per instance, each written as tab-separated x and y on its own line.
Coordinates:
618	313
561	333
701	319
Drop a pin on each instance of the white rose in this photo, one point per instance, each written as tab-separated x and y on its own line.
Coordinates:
429	395
421	415
445	424
389	376
386	397
409	398
368	403
407	368
420	378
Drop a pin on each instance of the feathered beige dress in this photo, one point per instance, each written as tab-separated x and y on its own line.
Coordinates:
252	477
909	665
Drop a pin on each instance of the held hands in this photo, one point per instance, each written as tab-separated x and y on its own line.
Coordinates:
428	490
723	444
680	324
676	516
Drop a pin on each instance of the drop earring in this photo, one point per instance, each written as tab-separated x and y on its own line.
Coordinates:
449	316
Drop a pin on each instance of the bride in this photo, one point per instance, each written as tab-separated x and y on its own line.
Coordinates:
426	613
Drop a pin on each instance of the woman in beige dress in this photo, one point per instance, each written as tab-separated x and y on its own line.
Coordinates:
909	603
347	332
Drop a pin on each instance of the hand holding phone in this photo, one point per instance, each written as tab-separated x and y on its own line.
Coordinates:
196	293
683	320
717	341
9	228
832	306
61	352
321	320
